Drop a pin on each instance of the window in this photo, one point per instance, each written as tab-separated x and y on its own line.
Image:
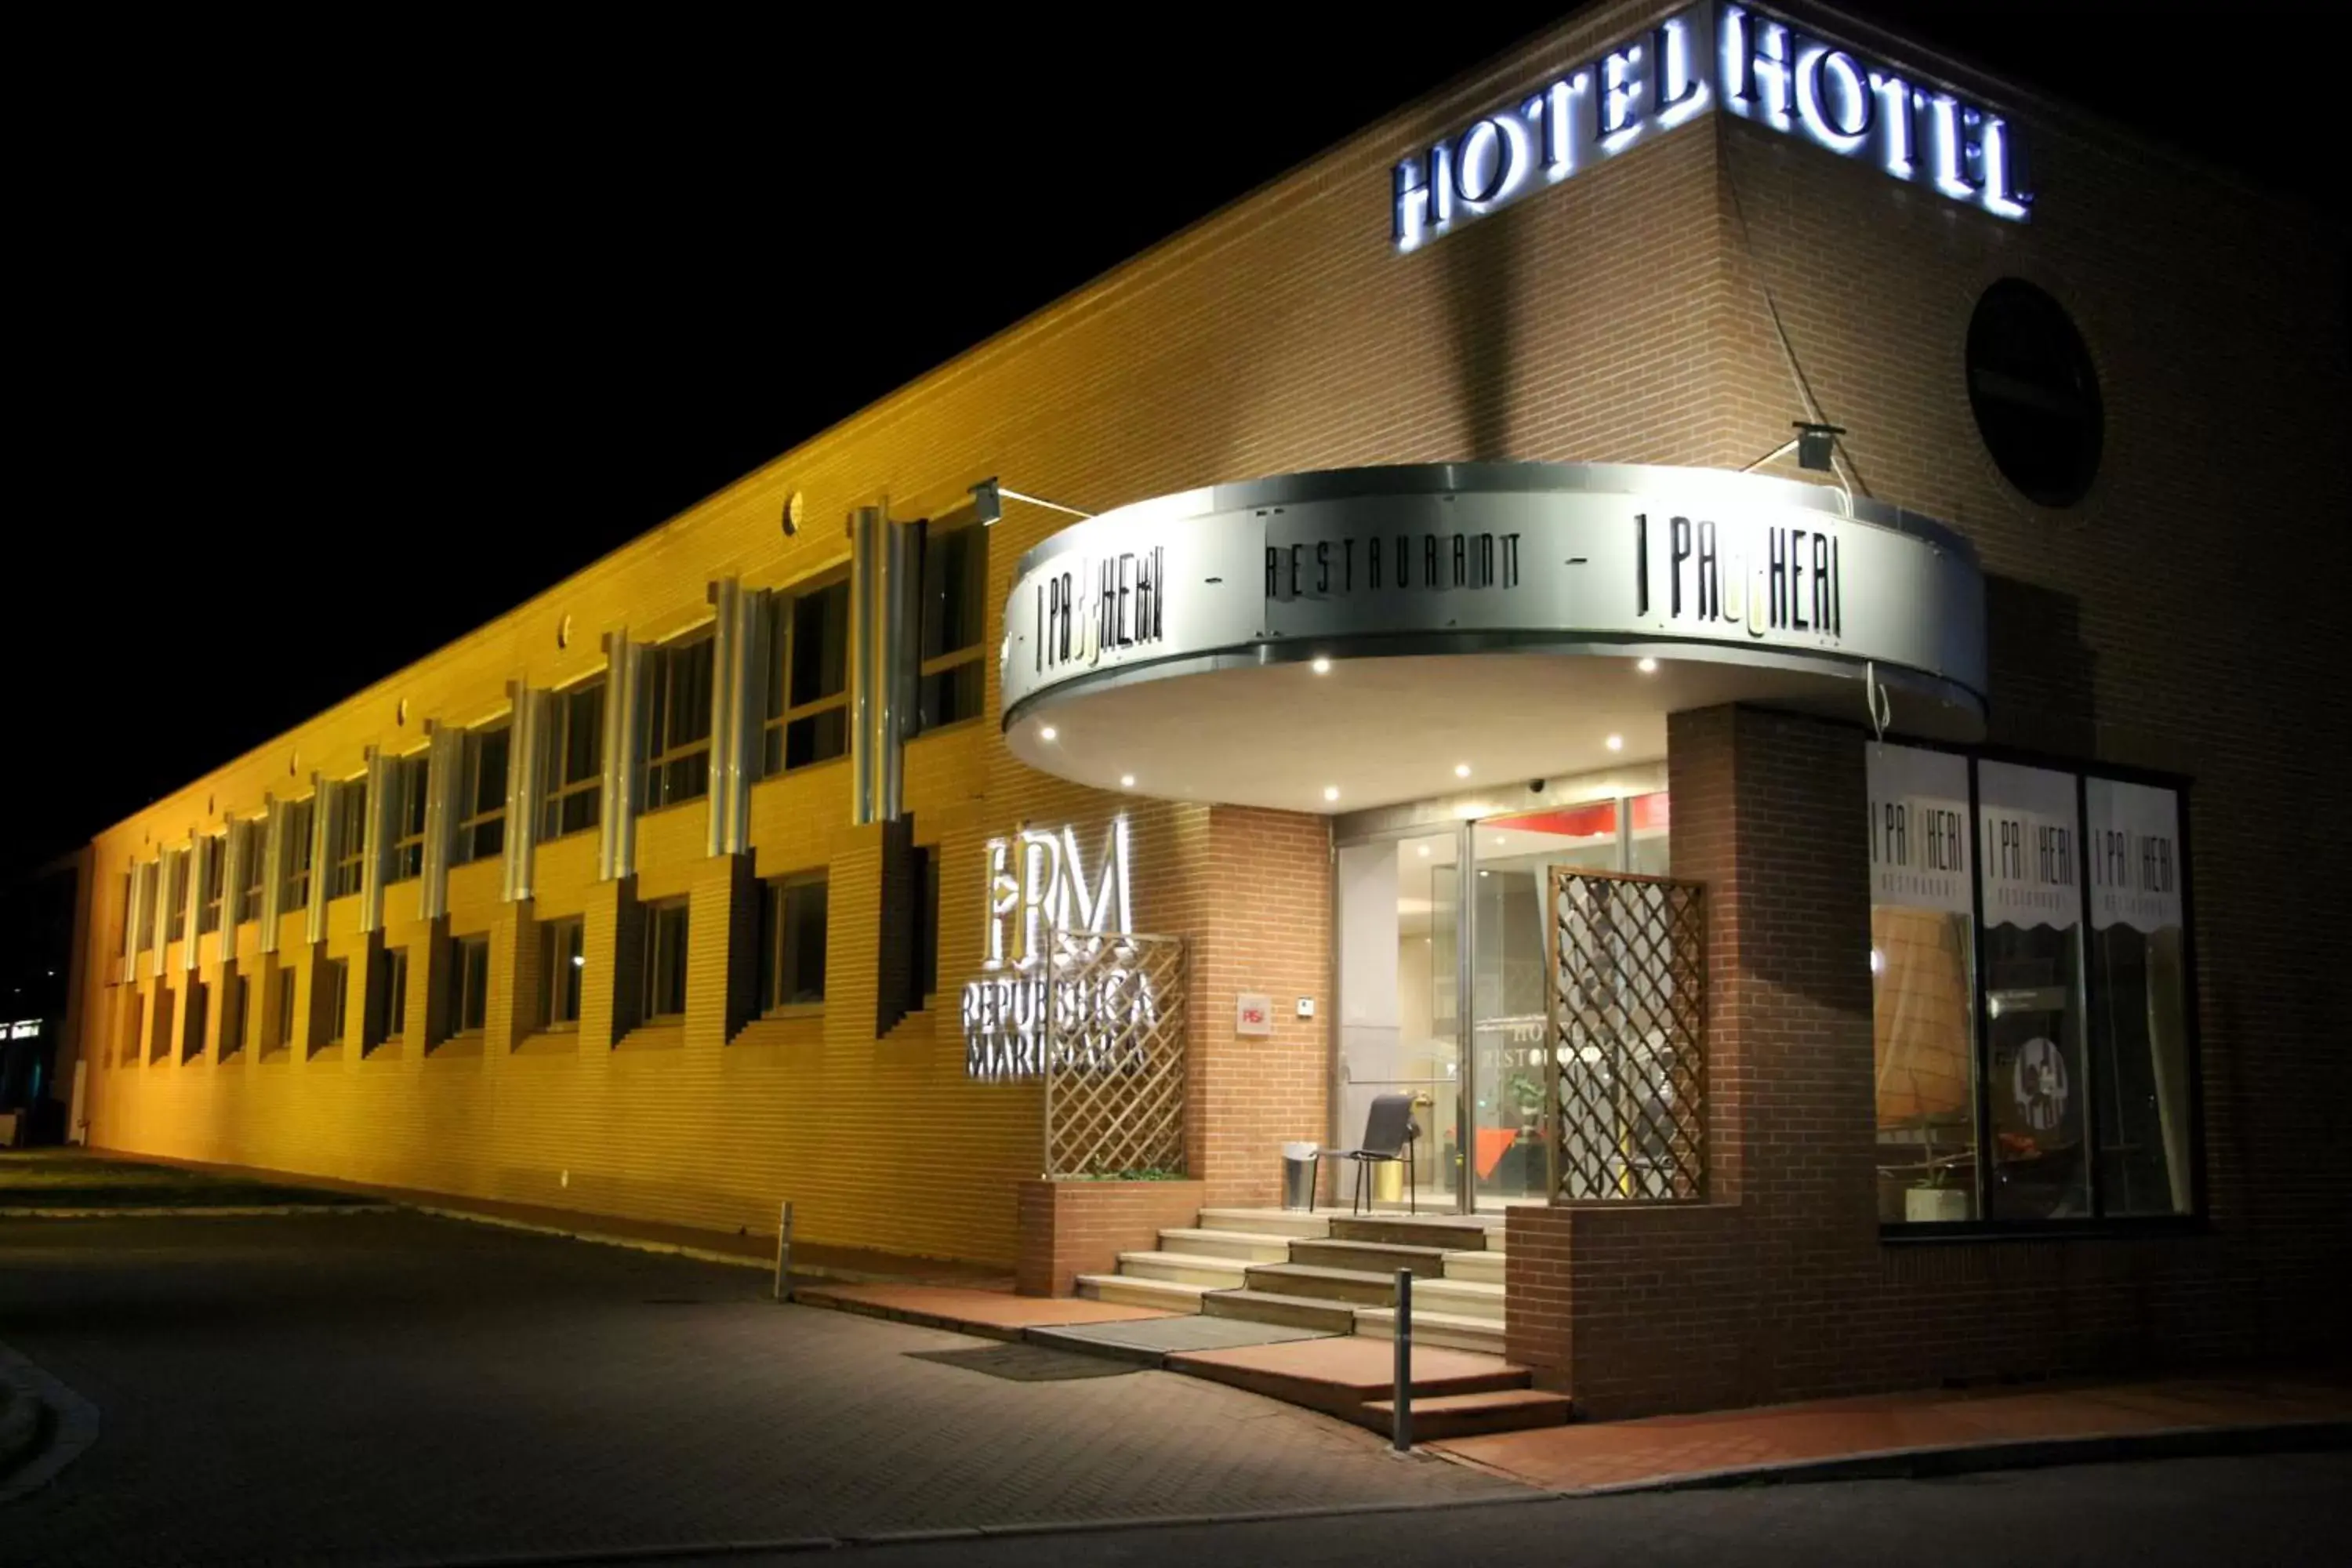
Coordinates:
563	965
1923	984
665	960
211	856
237	1008
391	987
792	942
175	896
2033	1065
284	1009
192	1039
954	617
2139	1017
2034	393
808	686
159	1038
677	723
339	997
294	852
926	923
481	796
406	785
257	844
347	846
142	909
470	984
575	761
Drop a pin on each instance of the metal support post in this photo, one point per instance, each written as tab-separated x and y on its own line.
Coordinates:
784	1254
1401	1404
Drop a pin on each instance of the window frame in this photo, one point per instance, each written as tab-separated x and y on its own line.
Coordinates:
347	840
933	664
392	975
289	992
212	863
556	790
255	868
557	938
780	713
294	856
468	1004
409	781
466	845
659	916
662	752
339	1004
175	895
2092	993
775	907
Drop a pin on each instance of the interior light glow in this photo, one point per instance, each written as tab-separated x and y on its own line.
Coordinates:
1615	743
1321	666
1648	667
1877	962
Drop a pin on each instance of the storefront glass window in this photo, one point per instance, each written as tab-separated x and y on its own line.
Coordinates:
1648	841
2029	858
1923	985
2139	1024
1400	1023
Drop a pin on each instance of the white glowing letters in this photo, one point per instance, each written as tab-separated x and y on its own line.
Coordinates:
1761	68
1038	885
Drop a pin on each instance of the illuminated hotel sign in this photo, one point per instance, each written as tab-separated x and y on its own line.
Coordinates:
1038	885
1708	56
1090	606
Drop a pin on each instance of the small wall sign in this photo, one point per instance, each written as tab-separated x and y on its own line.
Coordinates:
1253	1013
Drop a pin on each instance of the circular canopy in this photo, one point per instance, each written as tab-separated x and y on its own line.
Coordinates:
1337	640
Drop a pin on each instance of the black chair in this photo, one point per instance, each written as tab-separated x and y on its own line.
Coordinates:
1390	1133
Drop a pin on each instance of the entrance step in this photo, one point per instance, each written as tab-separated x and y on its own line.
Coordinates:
1450	1330
1354	1286
1459	1233
1370	1257
1457	1298
1249	1245
1267	1222
1342	1375
1475	1415
1485	1268
1274	1307
1184	1268
1166	1295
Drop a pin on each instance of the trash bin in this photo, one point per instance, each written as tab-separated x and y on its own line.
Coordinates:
1298	1175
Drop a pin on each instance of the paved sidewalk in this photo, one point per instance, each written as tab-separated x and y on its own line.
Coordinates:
1941	1431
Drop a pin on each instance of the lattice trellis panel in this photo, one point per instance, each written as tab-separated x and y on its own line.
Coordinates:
1626	995
1115	1056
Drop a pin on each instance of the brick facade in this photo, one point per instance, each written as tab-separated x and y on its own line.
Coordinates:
2177	617
1069	1228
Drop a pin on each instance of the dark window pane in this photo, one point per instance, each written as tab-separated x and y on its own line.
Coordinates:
583	734
819	737
489	771
580	810
820	644
950	695
955	588
804	910
926	923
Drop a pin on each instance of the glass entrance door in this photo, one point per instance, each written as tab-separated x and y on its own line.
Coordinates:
1399	1003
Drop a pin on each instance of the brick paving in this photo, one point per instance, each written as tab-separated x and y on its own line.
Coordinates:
393	1388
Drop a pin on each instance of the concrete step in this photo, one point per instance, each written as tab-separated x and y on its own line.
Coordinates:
1473	1415
1460	1298
1484	1267
1447	1328
1249	1245
1351	1285
1370	1257
1184	1268
1133	1290
1455	1232
1266	1222
1291	1311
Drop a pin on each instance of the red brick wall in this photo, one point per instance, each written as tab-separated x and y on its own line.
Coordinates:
1069	1228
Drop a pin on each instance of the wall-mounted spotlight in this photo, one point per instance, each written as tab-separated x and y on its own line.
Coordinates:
989	496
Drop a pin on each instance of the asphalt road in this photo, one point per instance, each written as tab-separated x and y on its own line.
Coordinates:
388	1388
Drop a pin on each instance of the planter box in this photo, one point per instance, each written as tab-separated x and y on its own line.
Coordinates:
1069	1228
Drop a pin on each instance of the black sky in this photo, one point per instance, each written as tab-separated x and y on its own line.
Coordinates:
461	311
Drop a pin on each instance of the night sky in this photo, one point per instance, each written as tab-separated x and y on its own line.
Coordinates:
460	311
